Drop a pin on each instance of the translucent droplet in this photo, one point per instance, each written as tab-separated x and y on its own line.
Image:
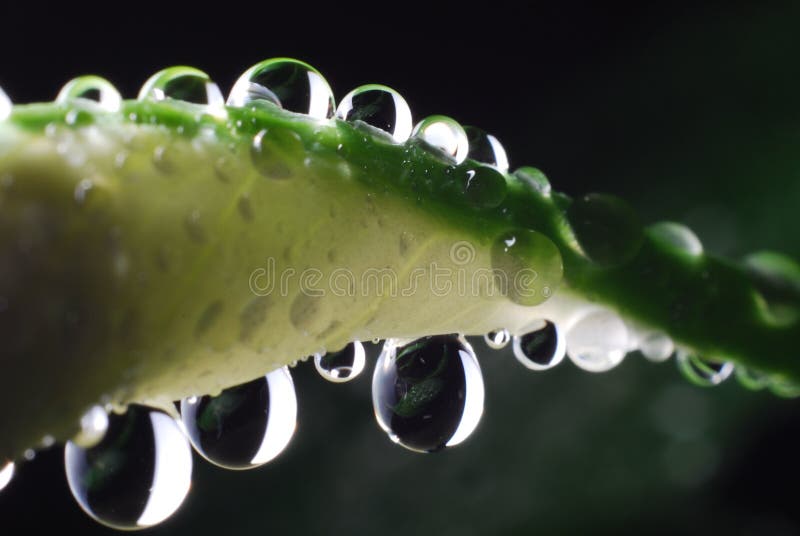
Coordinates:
5	105
527	266
608	230
380	107
486	149
6	474
341	366
272	151
244	426
776	278
498	339
485	187
541	348
534	178
656	346
751	379
445	135
137	476
185	84
290	84
93	90
703	372
677	236
428	394
784	387
598	341
94	424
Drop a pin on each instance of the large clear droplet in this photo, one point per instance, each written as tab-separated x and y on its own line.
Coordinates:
598	341
486	149
703	372
677	236
484	187
341	366
6	474
5	105
607	228
527	266
185	84
380	107
445	135
541	348
656	346
93	90
498	339
428	394
287	83
137	476
244	426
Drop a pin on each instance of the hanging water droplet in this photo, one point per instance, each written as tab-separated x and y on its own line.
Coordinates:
486	149
243	426
751	379
597	342
541	348
94	424
6	474
498	339
534	178
137	476
273	149
784	387
485	187
776	278
341	366
703	372
527	266
677	236
380	107
5	105
656	346
445	135
92	90
287	83
185	84
608	230
428	394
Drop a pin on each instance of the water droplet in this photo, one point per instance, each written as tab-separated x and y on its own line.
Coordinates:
597	342
608	230
29	454
498	339
656	346
94	424
137	476
5	105
485	187
677	236
82	190
777	281
486	149
290	84
194	227
78	118
527	266
750	378
341	366
185	84
445	135
91	90
243	426
541	348
703	372
380	107
273	149
784	387
428	394
6	474
534	178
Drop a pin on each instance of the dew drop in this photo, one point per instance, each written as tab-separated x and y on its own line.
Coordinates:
194	227
776	278
139	473
656	346
94	424
273	149
677	236
92	90
428	394
5	105
534	179
341	366
541	348
244	426
291	84
597	342
444	135
527	266
750	378
380	107
703	372
608	230
498	339
6	474
486	149
185	84
485	187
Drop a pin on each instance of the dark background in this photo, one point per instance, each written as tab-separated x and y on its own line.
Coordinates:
692	113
